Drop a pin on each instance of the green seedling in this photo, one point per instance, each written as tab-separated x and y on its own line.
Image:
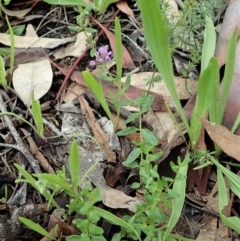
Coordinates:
12	51
208	84
37	115
3	73
99	6
81	199
3	80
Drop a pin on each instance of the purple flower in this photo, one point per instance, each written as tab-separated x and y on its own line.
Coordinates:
92	63
102	56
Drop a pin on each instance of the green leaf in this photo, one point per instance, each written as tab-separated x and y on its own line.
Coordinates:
232	222
17	30
36	227
29	179
208	44
179	187
37	115
66	2
233	179
74	165
134	154
97	90
132	117
127	83
203	101
3	80
228	72
118	56
127	131
12	51
149	137
156	35
115	220
53	179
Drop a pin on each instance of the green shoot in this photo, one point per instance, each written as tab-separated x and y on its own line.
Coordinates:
37	115
3	80
12	51
74	165
97	90
36	227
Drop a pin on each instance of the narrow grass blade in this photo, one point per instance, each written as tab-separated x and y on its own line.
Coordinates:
74	165
232	222
155	31
179	187
36	227
229	71
115	220
97	90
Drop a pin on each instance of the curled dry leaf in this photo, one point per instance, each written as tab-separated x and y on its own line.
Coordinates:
123	6
227	141
17	13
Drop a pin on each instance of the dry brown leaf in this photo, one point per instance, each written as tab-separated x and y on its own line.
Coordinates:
74	49
231	22
98	133
17	13
185	87
127	62
123	6
227	141
213	228
35	76
34	42
37	154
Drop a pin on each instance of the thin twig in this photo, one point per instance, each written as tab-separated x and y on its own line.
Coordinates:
20	145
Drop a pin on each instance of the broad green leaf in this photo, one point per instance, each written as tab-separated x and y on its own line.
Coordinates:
134	154
97	90
36	227
179	187
156	35
208	44
74	165
127	131
149	137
